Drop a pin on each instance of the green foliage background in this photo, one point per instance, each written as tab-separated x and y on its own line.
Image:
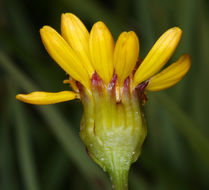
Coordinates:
40	147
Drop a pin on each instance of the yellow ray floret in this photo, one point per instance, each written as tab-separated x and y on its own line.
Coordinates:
101	49
64	55
158	55
126	53
171	75
44	98
76	34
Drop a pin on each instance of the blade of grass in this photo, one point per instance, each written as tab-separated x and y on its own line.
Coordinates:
163	174
143	16
8	175
24	150
197	140
186	20
30	62
201	105
21	25
55	169
22	41
7	165
187	11
94	11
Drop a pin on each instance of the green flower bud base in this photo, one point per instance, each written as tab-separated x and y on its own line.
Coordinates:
113	130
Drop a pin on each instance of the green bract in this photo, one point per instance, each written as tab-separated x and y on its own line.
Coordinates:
113	131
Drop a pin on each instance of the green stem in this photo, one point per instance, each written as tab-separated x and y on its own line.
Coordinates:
119	179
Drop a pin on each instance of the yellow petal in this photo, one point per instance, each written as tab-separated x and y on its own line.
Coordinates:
171	75
44	98
158	55
76	34
63	54
101	50
125	55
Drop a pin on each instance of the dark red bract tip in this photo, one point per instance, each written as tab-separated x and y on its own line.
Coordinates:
96	81
95	77
80	86
141	87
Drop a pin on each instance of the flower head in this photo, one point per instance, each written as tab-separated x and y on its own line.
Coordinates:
80	54
110	79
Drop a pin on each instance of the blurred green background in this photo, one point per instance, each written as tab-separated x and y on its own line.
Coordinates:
40	148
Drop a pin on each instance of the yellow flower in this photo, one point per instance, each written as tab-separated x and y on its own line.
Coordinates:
81	53
110	79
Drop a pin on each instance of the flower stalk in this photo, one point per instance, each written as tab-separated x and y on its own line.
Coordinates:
119	179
